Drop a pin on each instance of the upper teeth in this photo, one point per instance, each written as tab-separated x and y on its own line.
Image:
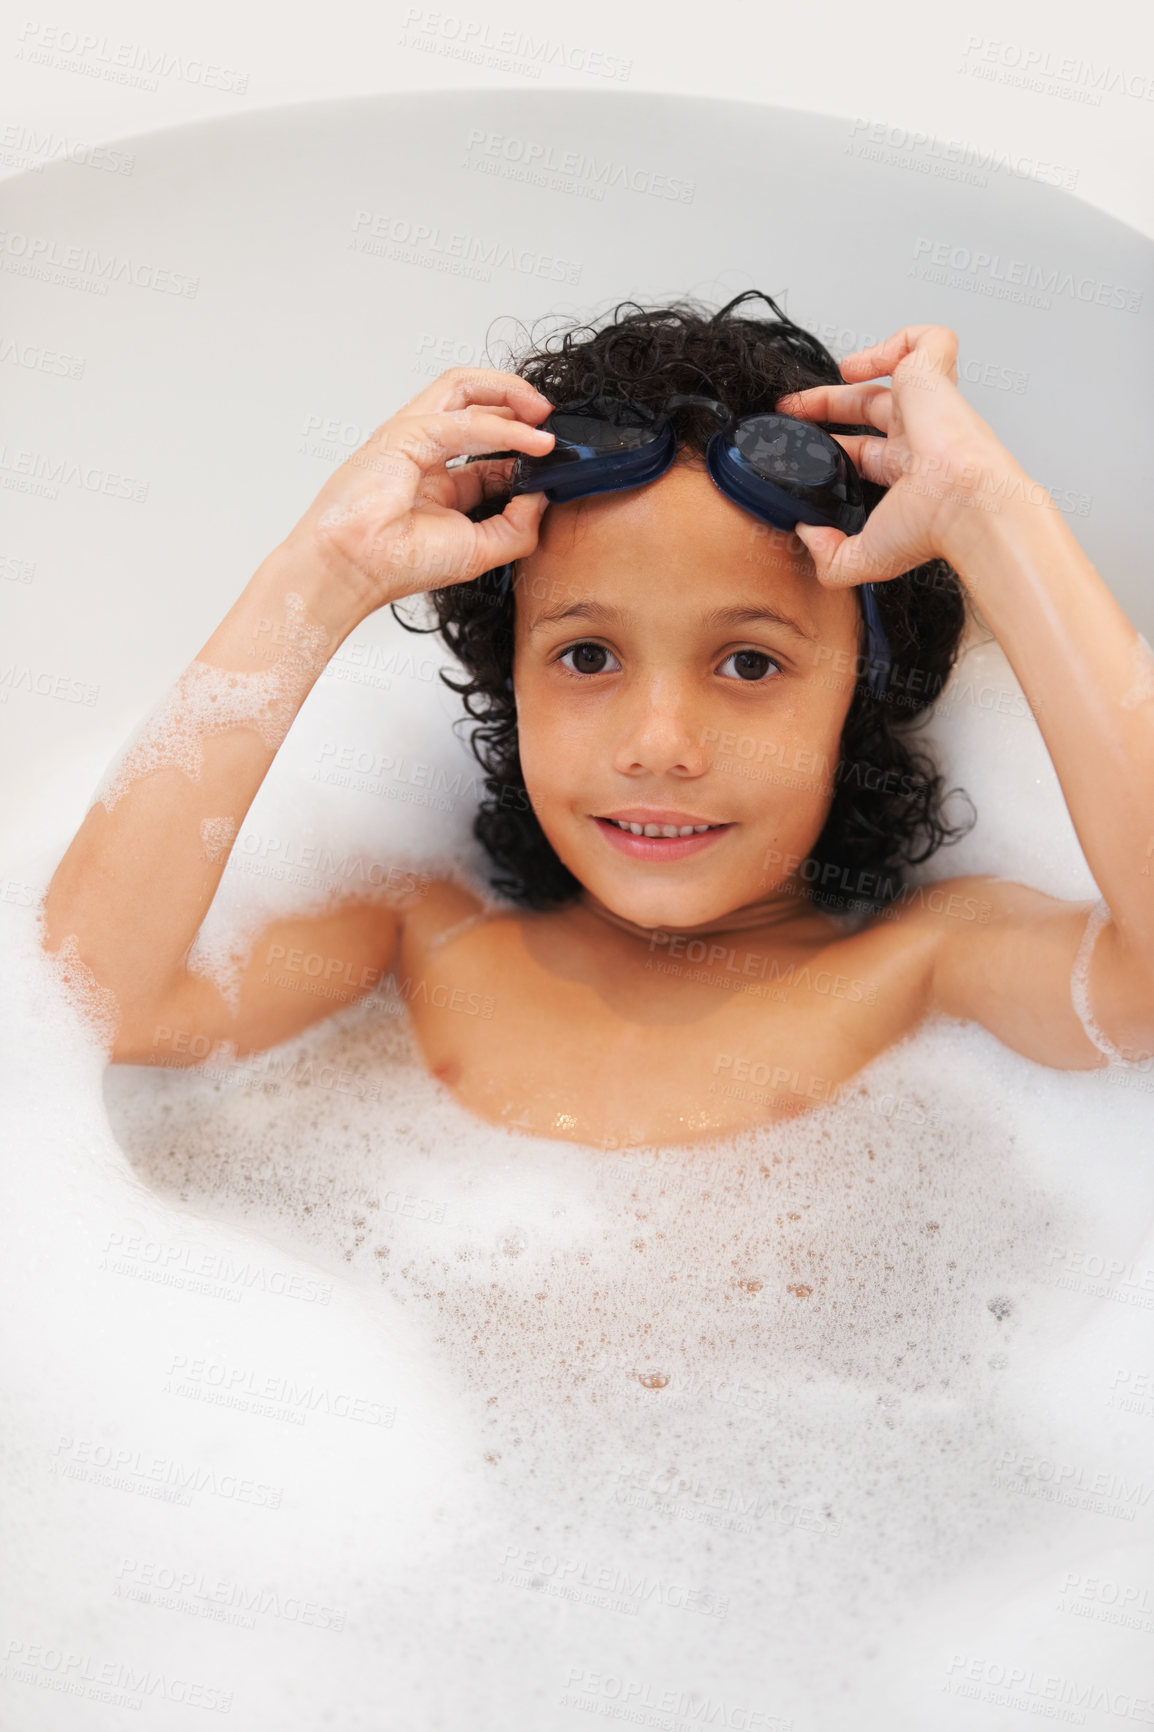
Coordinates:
661	829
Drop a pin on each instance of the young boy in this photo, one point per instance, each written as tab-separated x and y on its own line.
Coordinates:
687	776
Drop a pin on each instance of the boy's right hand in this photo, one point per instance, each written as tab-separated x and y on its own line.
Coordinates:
391	521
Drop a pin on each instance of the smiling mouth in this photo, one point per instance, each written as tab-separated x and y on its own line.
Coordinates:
649	840
669	831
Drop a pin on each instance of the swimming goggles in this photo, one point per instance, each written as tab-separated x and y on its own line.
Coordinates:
778	468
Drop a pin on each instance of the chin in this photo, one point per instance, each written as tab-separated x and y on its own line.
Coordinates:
666	881
667	905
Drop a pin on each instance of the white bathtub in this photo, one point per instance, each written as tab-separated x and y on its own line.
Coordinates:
328	1404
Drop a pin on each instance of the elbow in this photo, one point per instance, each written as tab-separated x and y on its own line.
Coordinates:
1126	1018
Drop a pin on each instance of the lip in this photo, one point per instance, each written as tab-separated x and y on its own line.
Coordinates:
657	848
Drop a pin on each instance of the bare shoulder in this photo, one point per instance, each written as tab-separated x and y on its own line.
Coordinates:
975	916
980	906
900	957
994	951
436	909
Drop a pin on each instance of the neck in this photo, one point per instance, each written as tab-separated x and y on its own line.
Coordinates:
771	911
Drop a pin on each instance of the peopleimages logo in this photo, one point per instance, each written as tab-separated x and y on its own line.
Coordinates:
271	1397
193	1265
160	1477
1044	1693
511	49
119	1683
1025	64
22	146
37	472
37	359
573	171
132	63
83	267
617	1696
1103	1491
1017	278
460	254
222	1598
926	153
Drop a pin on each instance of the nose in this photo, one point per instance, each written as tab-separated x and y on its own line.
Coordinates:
661	728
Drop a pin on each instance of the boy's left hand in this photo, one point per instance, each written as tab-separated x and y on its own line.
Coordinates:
936	455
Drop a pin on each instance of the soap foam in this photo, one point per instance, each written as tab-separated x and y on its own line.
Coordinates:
1141	690
217	836
1080	983
97	1005
773	1425
208	700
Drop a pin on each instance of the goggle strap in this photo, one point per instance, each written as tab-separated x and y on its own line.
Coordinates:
878	657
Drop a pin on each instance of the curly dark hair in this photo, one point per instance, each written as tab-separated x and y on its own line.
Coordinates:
879	822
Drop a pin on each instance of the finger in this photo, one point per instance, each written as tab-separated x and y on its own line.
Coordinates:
935	348
872	458
461	386
431	440
474	482
845	403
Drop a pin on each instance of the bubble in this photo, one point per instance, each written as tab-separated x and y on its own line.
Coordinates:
98	1005
208	700
1080	981
1141	688
217	836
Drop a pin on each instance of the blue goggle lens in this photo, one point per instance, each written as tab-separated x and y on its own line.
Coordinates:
785	451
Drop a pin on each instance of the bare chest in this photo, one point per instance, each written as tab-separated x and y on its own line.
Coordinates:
630	1047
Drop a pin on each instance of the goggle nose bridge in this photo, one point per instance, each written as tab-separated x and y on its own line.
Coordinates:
685	398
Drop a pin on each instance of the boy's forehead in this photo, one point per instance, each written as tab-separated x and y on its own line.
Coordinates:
679	534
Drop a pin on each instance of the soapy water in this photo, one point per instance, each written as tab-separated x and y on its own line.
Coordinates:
207	700
1080	983
1141	689
331	1404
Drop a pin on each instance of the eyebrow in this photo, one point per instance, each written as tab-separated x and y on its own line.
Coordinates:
598	613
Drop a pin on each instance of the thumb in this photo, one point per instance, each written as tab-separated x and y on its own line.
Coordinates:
824	548
510	535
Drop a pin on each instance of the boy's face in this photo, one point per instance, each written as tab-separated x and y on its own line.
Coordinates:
677	662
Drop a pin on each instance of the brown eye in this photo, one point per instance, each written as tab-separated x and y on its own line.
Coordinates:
751	665
588	658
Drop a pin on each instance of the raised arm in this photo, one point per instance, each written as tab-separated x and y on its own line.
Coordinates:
956	492
1089	677
130	894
